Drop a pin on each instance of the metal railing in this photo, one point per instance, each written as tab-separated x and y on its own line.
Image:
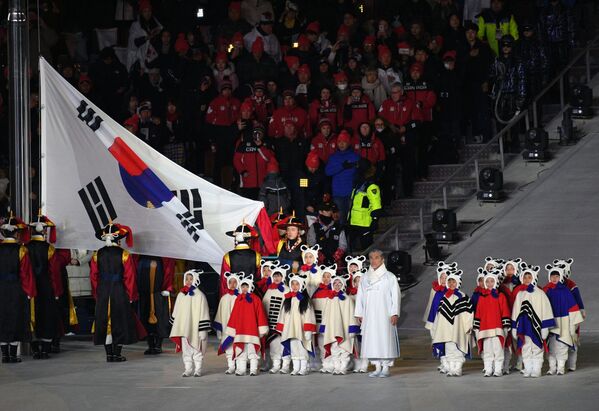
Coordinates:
498	139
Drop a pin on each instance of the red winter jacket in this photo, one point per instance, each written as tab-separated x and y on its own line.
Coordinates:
397	113
325	109
250	162
262	109
371	149
298	115
223	111
424	98
324	147
358	112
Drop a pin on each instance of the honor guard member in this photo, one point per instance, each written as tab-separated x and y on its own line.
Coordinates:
288	250
242	257
155	283
112	278
45	264
17	285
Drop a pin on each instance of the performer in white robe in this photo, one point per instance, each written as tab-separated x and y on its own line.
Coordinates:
273	303
377	309
223	313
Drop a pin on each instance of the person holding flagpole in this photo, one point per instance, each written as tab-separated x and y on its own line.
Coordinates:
378	303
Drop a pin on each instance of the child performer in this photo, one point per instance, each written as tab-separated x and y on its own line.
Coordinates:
360	364
273	303
310	267
319	300
223	313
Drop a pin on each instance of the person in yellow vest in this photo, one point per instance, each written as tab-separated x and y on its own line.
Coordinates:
494	23
365	209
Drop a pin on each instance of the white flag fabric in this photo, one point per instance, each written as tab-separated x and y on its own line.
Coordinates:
94	170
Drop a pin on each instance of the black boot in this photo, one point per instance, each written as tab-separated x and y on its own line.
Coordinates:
55	346
109	353
5	357
117	353
12	352
46	348
35	350
158	345
151	345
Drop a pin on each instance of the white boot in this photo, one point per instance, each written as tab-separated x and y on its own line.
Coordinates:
497	370
343	366
450	368
572	357
198	368
488	370
443	366
296	367
276	366
360	365
377	369
242	366
552	365
561	367
328	365
253	367
507	356
303	367
519	364
188	369
536	368
384	372
526	367
230	366
286	365
456	368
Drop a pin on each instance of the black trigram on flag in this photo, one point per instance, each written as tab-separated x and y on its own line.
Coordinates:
191	220
97	204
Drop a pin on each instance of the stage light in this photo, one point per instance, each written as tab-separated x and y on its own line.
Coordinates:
490	185
445	225
581	100
537	143
400	263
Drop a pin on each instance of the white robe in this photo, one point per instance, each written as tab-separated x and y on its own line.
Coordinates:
378	299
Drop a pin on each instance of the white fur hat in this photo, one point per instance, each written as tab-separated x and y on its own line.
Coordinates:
442	267
236	276
514	263
529	269
344	278
496	262
494	275
480	273
247	279
281	270
455	275
300	278
272	264
332	269
196	276
560	269
567	266
358	260
310	250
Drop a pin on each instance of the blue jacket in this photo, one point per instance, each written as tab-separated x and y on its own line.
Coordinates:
343	178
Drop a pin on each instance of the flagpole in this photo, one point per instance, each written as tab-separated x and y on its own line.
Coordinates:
19	126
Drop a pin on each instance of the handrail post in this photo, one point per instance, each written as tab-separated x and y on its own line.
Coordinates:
445	197
501	152
535	120
561	92
527	120
476	173
421	224
588	63
396	238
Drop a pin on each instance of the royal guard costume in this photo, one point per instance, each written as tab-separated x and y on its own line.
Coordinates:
297	325
452	327
223	313
573	353
277	221
492	325
155	277
242	258
319	301
310	267
190	324
289	249
338	328
563	337
247	326
17	285
46	266
532	318
66	305
112	277
360	364
273	303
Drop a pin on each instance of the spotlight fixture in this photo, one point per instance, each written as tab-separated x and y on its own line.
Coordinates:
490	185
537	143
581	100
445	225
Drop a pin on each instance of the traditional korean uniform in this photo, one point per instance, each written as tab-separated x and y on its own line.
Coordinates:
360	364
532	318
452	327
190	325
273	304
319	301
242	258
221	319
313	271
568	318
296	325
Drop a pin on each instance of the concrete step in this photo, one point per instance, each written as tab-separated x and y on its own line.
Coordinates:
468	150
411	206
405	223
462	187
440	172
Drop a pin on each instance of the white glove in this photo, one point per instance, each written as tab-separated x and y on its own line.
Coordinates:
29	297
203	335
545	333
165	293
308	335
